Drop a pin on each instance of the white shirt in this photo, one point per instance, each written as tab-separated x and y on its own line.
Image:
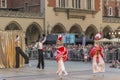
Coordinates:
39	44
17	42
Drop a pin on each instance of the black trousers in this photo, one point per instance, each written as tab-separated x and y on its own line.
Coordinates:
40	59
19	51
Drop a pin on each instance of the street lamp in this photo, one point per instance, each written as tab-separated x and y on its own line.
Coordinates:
112	34
115	34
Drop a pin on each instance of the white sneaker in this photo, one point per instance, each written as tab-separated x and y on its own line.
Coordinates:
29	65
65	74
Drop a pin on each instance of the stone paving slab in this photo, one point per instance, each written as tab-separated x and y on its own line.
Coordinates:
76	71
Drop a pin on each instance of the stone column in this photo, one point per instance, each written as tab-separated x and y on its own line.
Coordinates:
74	4
70	4
66	3
57	3
84	4
93	4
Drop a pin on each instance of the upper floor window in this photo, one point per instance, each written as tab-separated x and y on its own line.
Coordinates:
76	3
89	4
26	6
63	3
79	3
110	11
73	4
3	3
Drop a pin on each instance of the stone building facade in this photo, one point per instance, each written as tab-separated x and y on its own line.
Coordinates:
111	16
81	17
73	16
33	6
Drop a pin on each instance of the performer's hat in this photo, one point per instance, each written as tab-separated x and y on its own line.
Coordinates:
60	37
98	36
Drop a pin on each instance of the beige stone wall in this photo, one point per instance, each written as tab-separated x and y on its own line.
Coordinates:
61	17
113	26
52	18
23	22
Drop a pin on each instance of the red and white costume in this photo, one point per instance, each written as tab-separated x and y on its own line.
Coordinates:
98	62
61	57
97	55
61	53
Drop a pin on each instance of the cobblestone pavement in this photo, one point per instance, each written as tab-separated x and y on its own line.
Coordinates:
76	71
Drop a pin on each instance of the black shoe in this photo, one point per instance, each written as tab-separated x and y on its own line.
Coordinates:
26	61
16	66
38	67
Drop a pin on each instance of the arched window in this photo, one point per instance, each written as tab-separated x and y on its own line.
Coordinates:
3	3
26	6
110	11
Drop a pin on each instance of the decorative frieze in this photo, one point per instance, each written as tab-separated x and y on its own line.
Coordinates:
111	20
75	13
9	13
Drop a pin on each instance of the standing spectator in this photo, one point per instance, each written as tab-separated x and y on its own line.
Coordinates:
85	53
39	46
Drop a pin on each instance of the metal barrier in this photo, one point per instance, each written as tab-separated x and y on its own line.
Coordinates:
33	54
75	56
72	56
115	55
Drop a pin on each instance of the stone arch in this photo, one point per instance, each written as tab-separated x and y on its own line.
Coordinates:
13	25
91	31
33	31
106	31
58	28
76	28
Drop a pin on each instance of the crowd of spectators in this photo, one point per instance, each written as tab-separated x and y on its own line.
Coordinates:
76	52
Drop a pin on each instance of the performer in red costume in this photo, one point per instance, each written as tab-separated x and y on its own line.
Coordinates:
61	56
97	55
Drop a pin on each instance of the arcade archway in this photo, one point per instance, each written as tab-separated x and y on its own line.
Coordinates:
91	31
32	33
58	28
106	31
76	29
13	26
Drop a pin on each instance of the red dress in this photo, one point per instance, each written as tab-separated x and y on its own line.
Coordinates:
62	52
98	64
94	50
